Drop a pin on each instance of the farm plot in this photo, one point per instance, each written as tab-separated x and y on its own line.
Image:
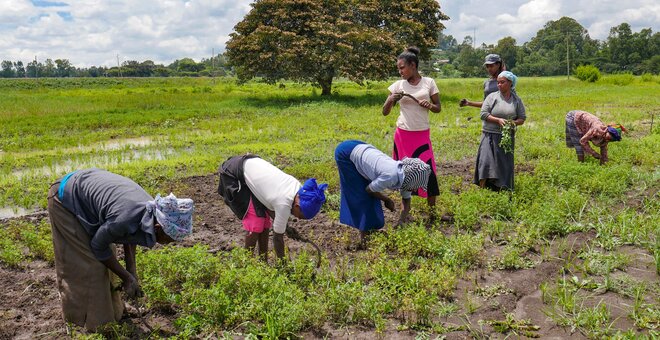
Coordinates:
572	253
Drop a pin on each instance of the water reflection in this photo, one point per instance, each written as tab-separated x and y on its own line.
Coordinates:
99	161
12	212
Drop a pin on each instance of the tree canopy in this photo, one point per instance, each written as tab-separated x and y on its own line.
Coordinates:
316	41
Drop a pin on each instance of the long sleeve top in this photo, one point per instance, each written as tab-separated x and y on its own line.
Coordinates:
111	208
383	171
496	105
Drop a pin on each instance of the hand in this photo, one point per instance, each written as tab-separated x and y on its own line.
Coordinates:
425	104
389	204
405	218
502	122
396	97
596	156
463	102
132	288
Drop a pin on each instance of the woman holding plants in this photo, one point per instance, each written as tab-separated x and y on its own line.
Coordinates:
501	112
582	127
364	173
90	211
257	191
416	95
494	65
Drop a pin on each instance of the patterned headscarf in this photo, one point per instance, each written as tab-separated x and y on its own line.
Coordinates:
415	174
512	77
615	131
311	197
173	214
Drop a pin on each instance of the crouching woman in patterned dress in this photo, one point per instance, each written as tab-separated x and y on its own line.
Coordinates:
582	127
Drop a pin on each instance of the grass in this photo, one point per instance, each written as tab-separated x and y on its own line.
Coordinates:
156	131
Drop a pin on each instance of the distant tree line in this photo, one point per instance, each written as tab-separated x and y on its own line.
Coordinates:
62	68
546	53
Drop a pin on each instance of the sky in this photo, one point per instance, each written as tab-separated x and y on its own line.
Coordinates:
96	32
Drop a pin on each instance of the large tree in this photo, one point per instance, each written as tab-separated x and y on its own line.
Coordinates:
317	40
551	42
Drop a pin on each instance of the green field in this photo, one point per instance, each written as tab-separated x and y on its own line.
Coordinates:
159	131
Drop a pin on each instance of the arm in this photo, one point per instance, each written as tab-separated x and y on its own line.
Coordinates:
100	244
603	154
434	105
520	113
129	259
465	102
492	119
278	244
389	203
392	99
129	282
403	218
584	141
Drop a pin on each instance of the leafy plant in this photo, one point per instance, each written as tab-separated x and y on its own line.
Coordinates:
508	131
587	73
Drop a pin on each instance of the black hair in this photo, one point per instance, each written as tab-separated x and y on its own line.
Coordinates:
410	56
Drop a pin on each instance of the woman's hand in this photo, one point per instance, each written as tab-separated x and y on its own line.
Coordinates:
425	104
501	122
389	204
463	102
395	97
131	287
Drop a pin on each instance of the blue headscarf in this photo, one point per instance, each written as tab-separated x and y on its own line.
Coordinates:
311	197
512	77
173	214
615	133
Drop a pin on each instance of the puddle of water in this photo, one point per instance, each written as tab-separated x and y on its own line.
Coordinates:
12	212
120	143
100	161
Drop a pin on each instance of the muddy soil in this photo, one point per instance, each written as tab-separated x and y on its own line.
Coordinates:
29	302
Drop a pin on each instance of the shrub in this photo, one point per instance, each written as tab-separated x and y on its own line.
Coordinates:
588	73
620	79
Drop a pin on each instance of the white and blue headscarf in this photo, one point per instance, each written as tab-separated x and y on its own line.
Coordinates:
173	214
512	77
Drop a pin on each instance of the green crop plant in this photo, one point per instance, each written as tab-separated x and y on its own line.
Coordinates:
596	262
11	253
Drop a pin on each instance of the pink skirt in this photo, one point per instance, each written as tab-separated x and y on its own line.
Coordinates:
417	144
254	223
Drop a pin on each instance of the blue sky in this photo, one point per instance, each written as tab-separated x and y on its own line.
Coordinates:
95	32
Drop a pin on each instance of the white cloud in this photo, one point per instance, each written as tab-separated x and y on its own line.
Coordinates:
521	19
165	30
13	10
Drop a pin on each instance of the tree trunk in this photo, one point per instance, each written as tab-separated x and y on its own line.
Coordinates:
325	81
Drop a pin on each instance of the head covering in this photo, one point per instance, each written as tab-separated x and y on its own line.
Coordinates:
509	75
173	214
615	131
311	197
415	174
492	59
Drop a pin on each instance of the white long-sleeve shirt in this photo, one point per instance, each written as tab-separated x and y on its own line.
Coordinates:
275	189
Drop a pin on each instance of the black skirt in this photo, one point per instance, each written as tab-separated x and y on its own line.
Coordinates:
493	164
